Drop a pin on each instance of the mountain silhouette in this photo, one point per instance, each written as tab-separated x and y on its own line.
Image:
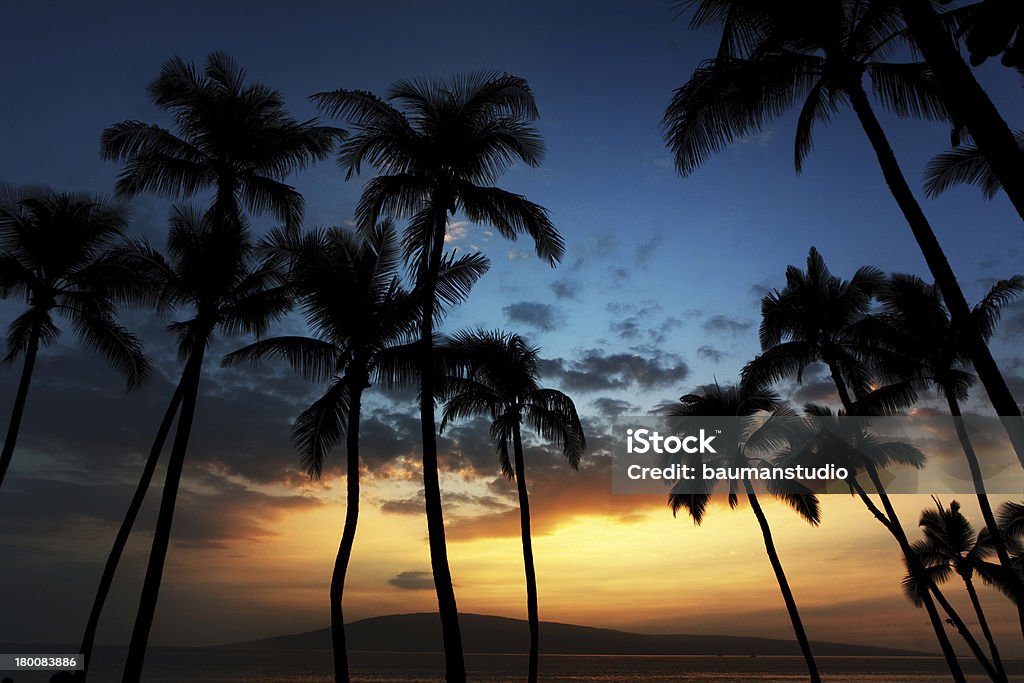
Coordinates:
483	634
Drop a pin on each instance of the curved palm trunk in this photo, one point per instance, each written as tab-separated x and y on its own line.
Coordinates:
997	661
966	98
965	632
989	373
890	520
162	535
454	661
532	614
19	403
348	536
1013	581
121	540
780	576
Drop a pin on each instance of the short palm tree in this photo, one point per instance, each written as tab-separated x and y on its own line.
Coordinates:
925	336
818	52
764	427
233	138
363	318
55	255
821	317
215	276
439	151
951	546
503	383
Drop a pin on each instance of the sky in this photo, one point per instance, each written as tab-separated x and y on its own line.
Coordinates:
658	294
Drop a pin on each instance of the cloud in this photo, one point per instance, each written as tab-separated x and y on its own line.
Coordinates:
720	324
413	581
613	407
542	317
710	353
517	255
595	371
643	252
566	289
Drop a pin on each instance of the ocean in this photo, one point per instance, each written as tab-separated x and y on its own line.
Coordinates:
210	665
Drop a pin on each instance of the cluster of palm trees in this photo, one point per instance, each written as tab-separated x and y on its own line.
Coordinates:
439	147
373	299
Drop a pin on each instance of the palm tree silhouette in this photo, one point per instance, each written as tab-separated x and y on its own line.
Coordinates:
55	255
439	154
503	382
754	438
966	99
233	138
364	322
819	52
820	317
950	546
936	354
214	274
964	165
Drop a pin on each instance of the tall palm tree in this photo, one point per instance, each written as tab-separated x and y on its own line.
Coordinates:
951	546
763	428
439	151
936	350
965	98
231	137
820	317
503	382
819	52
363	318
214	275
55	255
964	165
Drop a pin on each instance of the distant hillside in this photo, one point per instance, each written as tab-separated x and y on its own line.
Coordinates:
499	635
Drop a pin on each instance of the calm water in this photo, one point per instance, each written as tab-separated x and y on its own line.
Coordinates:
174	665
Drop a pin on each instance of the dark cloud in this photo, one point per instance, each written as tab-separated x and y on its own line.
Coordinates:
543	317
643	252
720	324
566	289
710	353
413	581
454	502
613	407
595	371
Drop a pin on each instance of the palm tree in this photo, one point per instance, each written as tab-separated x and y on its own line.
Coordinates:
763	428
950	546
439	151
964	165
214	274
966	99
55	255
503	382
363	320
820	317
233	138
936	353
820	52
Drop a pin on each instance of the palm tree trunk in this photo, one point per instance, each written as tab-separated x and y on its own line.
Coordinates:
966	99
121	540
162	535
989	373
895	527
997	661
19	402
532	615
455	665
961	626
348	534
780	576
1013	581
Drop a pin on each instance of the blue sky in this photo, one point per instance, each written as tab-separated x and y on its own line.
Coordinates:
666	269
